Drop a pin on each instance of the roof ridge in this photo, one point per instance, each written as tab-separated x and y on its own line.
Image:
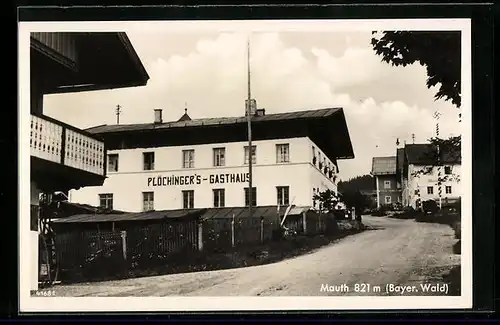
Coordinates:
222	117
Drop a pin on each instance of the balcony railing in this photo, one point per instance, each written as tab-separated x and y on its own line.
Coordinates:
61	143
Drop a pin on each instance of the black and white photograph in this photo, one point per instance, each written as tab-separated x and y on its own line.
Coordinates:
245	165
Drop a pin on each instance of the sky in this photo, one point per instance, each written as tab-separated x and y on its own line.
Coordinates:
206	72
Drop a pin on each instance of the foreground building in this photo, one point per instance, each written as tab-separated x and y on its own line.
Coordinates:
387	185
203	163
418	171
64	157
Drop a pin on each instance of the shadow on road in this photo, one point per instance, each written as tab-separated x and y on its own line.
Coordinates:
374	228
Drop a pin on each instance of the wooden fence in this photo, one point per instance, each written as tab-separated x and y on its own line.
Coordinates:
93	252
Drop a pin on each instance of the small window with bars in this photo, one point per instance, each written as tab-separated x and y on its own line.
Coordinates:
254	155
106	201
188	199
113	162
148	201
149	160
254	197
282	153
219	157
283	195
219	198
188	158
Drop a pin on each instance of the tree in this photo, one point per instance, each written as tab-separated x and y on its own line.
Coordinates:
439	52
358	183
327	200
356	200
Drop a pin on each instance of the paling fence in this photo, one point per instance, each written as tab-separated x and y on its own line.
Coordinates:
90	252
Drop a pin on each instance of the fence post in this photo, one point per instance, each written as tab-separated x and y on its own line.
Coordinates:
261	230
304	222
200	236
232	232
124	244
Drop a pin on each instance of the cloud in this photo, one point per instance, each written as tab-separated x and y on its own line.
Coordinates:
212	80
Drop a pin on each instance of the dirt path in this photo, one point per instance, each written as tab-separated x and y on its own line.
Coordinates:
398	252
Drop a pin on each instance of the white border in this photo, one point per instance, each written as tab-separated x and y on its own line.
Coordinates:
145	304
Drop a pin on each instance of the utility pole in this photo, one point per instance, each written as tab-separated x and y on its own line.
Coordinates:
249	123
436	116
413	138
118	111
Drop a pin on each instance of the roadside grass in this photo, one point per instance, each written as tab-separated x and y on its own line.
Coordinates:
242	256
452	219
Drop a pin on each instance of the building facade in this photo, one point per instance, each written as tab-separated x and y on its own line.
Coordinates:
203	163
387	186
62	156
420	175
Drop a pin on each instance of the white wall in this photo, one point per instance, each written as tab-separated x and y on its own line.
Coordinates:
423	181
33	244
130	181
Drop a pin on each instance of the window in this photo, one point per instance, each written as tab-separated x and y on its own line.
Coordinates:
149	160
254	197
282	153
106	201
219	198
188	199
219	157
430	190
387	200
283	195
147	201
314	154
448	189
387	184
112	162
188	158
447	170
254	155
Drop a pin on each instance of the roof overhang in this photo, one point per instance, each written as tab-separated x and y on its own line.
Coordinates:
329	132
104	60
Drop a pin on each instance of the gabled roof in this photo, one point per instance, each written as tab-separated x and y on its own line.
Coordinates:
213	121
184	117
327	128
384	166
425	154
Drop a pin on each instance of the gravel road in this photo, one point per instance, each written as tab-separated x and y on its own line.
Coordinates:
401	253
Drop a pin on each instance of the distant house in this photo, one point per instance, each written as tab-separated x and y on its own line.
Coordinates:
418	172
387	186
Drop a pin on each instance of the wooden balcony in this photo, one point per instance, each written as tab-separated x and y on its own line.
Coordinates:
64	157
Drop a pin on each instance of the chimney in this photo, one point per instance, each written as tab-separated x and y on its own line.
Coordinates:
253	107
158	118
261	112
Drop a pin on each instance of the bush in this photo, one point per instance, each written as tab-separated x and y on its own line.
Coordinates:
430	206
382	211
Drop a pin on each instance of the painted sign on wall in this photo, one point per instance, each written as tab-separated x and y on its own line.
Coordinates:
226	178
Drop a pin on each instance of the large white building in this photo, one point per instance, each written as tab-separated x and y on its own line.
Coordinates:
419	173
203	163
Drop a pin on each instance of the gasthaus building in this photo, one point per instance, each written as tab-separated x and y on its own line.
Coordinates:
63	157
203	163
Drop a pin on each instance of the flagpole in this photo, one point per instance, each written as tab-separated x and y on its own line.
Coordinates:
249	120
